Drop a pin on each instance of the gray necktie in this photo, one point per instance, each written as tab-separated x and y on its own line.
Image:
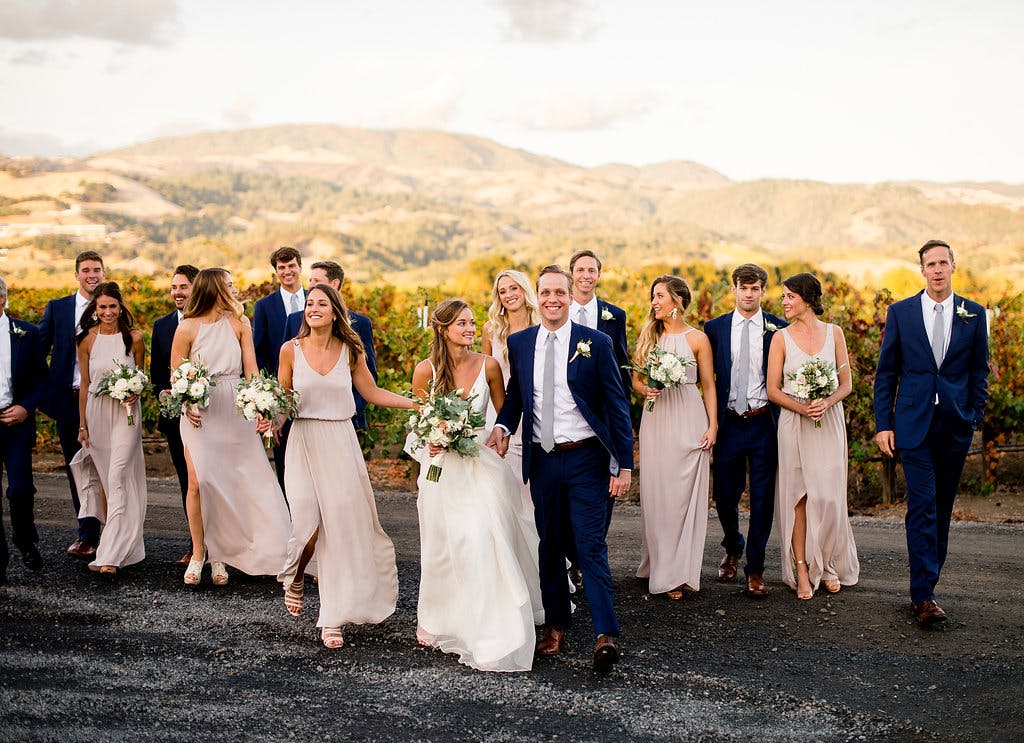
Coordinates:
295	303
547	404
581	316
741	370
938	336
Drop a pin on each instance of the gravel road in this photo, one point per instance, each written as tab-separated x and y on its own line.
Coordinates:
144	658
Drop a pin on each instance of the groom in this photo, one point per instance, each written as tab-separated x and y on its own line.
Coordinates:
930	391
577	452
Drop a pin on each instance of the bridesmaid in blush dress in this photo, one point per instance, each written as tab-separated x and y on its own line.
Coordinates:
236	511
810	491
334	516
675	446
114	446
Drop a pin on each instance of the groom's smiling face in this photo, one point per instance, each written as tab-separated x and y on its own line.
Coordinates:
553	296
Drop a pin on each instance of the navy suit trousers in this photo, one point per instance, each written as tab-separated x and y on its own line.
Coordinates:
570	493
746	445
933	472
16	444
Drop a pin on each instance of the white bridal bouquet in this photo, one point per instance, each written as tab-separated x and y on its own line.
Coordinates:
447	421
662	369
120	383
262	395
815	379
190	385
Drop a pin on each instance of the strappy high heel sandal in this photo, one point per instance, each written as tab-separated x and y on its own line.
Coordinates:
832	585
218	573
294	598
194	571
803	595
332	638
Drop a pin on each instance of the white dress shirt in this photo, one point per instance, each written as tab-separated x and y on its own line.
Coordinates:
6	382
569	423
928	312
80	304
286	296
757	393
589	311
181	316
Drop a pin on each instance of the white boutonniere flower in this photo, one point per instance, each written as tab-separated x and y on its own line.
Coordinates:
769	327
19	331
582	349
606	315
962	312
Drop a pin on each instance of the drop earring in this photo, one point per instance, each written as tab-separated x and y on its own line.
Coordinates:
674	313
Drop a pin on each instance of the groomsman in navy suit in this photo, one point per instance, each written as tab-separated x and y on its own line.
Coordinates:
22	384
746	425
931	386
268	320
566	390
57	332
160	363
329	272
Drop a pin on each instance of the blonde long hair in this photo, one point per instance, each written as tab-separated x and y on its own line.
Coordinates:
444	315
498	315
210	291
653	328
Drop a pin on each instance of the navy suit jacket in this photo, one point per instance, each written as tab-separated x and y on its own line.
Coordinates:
595	386
268	319
907	379
160	358
719	333
28	369
615	328
362	325
57	334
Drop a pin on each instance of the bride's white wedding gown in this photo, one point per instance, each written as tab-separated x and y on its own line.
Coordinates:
479	582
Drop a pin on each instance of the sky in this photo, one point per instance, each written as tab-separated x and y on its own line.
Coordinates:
824	90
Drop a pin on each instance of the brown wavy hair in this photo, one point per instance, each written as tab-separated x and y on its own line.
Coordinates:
341	328
125	321
210	291
444	315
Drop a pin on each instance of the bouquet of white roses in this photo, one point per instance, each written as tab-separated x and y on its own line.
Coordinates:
447	421
190	385
663	369
815	379
120	383
262	395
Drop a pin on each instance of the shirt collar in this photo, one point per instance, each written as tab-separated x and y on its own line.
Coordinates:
590	306
80	300
929	303
562	334
756	320
288	295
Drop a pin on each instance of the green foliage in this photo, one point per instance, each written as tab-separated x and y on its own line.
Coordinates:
98	192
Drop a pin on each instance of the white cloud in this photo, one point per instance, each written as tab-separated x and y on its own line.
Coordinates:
239	113
128	21
433	107
549	21
583	112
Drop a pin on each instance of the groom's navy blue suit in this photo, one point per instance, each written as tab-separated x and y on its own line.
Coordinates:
932	438
742	442
573	484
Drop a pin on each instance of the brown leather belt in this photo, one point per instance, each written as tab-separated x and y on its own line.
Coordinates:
570	445
750	413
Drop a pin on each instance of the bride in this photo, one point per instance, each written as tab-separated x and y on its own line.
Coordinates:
479	582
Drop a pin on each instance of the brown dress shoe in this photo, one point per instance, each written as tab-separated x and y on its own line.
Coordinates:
79	548
552	642
928	613
756	587
727	569
186	558
606	654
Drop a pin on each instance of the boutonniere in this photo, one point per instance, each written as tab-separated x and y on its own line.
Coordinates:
606	315
769	327
19	331
582	349
962	312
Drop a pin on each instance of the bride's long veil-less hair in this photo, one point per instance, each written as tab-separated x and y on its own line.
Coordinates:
341	328
653	328
444	315
498	315
210	291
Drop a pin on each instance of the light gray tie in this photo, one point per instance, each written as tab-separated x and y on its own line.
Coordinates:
938	336
295	303
581	316
547	403
741	370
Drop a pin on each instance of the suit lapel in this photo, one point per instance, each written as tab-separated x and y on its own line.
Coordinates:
575	335
919	331
956	330
527	369
725	348
15	348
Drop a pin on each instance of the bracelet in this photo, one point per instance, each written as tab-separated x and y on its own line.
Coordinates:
82	428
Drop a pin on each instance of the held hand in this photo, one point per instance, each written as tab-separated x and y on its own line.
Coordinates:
129	401
13	415
83	437
263	424
886	441
434	450
619	484
498	441
652	394
816	409
708	439
195	416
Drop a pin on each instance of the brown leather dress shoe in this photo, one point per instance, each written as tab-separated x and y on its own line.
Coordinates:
928	613
606	654
79	548
552	642
186	558
756	587
727	569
